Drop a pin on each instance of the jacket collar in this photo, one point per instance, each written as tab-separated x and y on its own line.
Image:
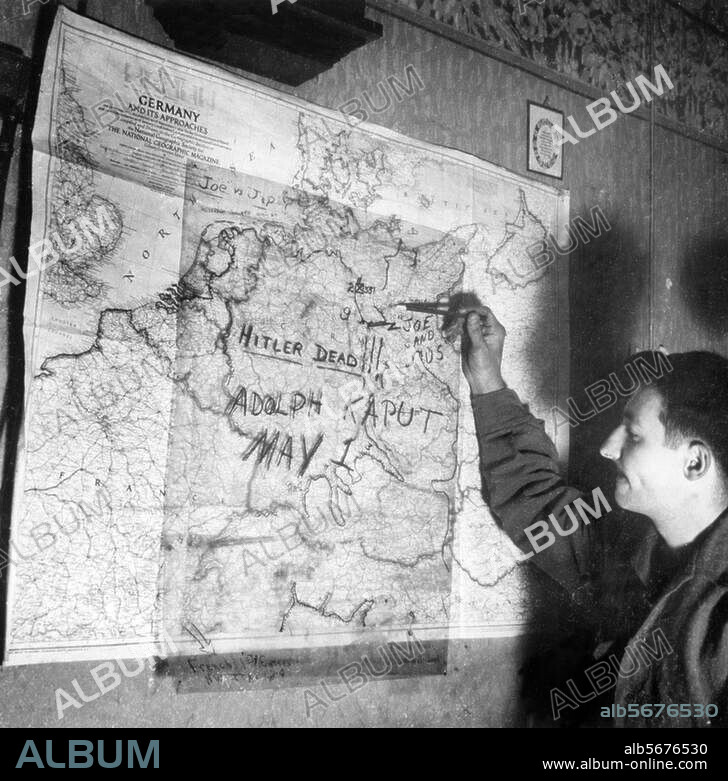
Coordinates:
708	555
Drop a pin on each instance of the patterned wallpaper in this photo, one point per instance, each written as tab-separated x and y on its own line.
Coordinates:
713	12
605	43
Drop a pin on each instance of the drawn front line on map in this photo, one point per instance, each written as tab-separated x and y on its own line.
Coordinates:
290	536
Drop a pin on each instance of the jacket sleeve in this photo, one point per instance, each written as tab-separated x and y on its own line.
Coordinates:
523	487
705	654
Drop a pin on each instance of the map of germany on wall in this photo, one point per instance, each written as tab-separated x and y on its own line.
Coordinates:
231	424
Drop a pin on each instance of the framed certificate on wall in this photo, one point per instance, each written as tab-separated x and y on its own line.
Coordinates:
545	153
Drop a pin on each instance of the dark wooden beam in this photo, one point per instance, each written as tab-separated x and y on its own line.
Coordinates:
298	42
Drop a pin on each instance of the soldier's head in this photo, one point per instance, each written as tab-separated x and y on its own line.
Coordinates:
671	448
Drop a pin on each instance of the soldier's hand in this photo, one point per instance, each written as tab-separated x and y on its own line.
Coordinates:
482	341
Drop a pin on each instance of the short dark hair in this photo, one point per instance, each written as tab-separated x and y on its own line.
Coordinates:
695	401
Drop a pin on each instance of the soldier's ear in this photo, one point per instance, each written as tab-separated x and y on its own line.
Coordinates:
698	460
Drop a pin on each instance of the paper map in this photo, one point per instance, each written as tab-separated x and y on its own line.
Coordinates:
229	422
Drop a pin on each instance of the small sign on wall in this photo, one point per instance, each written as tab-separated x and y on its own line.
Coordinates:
545	154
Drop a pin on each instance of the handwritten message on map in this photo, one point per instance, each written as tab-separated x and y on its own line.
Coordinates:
231	422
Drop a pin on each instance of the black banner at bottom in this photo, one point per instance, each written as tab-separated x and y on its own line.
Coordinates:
537	752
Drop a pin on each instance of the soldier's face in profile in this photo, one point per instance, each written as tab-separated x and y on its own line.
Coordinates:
649	473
